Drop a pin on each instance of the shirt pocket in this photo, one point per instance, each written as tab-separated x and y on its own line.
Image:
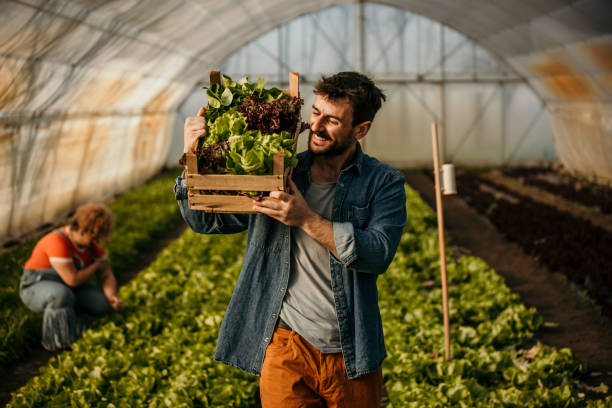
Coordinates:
359	216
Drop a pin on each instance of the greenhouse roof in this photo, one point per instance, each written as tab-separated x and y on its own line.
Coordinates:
89	90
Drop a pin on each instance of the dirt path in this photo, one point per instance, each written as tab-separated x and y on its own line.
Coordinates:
19	373
580	325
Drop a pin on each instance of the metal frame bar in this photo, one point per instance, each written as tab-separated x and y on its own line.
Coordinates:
524	135
400	30
476	120
319	29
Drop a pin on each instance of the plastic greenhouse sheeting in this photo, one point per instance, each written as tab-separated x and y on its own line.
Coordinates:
90	90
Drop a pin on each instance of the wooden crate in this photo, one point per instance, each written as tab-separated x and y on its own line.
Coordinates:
219	203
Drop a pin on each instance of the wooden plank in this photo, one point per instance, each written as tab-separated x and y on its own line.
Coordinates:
294	84
278	164
223	204
234	182
215	77
192	163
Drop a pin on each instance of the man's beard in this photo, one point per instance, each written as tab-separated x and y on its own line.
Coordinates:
335	148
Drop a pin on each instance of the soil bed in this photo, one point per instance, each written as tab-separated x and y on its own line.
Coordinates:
572	189
559	240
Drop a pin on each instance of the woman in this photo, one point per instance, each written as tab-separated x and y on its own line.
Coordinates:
55	278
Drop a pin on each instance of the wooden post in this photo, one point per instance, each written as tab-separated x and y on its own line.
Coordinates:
215	77
436	164
294	84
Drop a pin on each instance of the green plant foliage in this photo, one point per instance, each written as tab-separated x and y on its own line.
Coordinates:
489	325
158	350
229	94
142	216
253	152
249	151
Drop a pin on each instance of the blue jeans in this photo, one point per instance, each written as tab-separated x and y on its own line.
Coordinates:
67	311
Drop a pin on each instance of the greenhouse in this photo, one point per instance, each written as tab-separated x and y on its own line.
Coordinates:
144	214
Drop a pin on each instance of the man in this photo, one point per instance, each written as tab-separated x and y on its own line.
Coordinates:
304	313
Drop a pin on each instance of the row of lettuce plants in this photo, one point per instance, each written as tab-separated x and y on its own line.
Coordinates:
158	350
495	361
142	217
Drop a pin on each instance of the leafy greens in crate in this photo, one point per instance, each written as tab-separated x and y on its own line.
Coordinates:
247	126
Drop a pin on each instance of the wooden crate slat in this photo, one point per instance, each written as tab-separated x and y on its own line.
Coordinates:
222	203
234	182
215	77
294	84
192	163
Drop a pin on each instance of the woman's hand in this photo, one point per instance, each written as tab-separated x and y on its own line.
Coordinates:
101	265
194	129
115	302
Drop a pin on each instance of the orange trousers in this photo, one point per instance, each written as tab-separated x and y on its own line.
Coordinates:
296	374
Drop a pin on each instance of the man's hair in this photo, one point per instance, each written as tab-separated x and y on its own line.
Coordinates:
96	219
363	95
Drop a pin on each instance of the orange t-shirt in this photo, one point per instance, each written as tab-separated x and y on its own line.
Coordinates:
56	248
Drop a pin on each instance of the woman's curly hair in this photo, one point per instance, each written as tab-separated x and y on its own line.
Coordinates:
94	218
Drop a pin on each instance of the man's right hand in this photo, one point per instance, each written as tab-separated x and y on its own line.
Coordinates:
195	128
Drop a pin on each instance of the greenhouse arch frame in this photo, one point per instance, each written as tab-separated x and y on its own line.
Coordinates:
90	91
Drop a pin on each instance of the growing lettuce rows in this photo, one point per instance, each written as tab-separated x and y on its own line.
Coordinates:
142	216
489	326
158	350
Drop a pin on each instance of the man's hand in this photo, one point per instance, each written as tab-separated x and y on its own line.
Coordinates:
290	209
115	302
194	129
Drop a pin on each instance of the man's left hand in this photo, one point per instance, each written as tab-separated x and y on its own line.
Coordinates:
290	209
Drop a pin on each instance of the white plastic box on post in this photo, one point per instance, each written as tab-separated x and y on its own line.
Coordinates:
449	184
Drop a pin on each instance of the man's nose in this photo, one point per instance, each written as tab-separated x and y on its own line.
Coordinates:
315	124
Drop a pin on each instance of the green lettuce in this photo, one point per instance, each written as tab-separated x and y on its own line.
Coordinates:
253	152
230	94
226	125
249	151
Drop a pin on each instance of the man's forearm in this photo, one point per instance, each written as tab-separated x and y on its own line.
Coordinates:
321	230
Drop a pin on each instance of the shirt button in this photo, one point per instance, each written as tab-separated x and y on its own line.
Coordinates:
267	339
282	289
286	262
274	315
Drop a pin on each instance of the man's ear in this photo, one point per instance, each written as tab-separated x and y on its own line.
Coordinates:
362	129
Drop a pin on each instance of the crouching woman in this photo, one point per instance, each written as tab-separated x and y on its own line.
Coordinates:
55	278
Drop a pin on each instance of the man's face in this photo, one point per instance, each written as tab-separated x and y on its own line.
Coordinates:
331	126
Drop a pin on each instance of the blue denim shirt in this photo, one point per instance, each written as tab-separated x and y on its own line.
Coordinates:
369	213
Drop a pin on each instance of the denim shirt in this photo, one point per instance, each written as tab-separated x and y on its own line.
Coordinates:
369	213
